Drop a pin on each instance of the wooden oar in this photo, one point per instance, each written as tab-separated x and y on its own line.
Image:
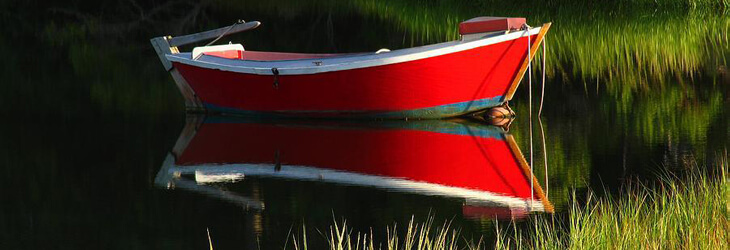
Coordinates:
523	68
205	35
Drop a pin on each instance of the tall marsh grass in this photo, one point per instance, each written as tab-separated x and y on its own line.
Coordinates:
422	235
688	212
680	213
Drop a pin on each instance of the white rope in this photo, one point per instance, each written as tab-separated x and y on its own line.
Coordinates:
240	21
544	155
544	56
539	113
529	85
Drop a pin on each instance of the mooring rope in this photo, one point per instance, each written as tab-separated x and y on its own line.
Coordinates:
240	21
529	86
539	114
544	56
544	155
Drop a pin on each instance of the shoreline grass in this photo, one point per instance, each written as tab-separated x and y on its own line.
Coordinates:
677	212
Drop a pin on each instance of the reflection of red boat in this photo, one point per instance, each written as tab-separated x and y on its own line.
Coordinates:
478	163
479	71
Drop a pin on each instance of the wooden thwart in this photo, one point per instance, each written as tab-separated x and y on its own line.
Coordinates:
523	68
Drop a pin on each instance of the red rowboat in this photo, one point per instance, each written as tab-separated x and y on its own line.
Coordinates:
478	163
478	71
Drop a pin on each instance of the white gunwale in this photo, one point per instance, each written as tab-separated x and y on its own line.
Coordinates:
346	62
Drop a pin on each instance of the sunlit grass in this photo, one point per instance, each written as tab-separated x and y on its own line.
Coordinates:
681	213
688	212
418	236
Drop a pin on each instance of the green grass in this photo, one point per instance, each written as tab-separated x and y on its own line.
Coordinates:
418	236
688	212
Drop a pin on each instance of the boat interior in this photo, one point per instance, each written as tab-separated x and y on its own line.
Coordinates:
234	58
475	28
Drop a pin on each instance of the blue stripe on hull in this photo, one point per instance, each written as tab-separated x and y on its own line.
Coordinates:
452	126
443	111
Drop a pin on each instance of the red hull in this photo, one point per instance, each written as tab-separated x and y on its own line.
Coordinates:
445	85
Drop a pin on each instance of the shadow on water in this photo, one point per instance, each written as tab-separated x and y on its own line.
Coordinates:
632	90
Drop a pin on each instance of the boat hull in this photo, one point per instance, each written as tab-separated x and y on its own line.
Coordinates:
441	86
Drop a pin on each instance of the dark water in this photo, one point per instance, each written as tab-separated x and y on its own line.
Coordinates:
90	117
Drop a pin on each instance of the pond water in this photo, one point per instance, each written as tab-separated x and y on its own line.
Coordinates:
97	151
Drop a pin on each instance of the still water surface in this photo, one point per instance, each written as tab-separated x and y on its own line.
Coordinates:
98	153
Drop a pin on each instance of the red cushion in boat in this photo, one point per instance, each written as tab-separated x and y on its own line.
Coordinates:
230	54
488	24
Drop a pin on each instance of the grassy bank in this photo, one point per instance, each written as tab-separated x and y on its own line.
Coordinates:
679	213
686	212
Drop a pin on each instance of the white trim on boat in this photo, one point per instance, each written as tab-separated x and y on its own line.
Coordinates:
346	178
345	62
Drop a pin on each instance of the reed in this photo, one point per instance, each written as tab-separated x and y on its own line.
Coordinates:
418	236
677	213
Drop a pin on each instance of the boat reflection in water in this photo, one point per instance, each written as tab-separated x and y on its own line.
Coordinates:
476	163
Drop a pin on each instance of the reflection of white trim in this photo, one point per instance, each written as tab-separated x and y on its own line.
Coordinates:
203	177
169	177
307	66
356	179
